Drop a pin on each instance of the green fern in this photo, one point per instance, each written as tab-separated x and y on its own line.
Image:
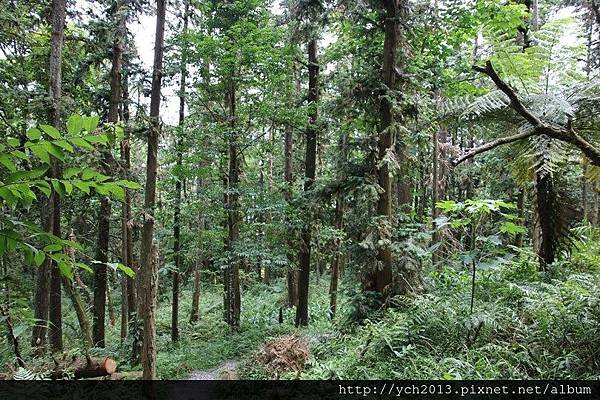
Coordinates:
23	374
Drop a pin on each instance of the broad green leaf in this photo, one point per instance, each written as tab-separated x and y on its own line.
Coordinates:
54	150
34	134
58	187
84	267
44	187
13	142
80	142
68	186
65	269
91	123
64	145
51	131
83	186
39	258
7	161
19	154
71	172
74	124
41	153
53	247
126	270
512	228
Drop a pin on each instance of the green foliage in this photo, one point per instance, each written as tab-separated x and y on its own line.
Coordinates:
518	331
24	179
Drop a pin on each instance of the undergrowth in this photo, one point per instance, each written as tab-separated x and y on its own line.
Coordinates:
525	325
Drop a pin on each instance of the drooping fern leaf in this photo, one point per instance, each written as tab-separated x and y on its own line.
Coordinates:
23	374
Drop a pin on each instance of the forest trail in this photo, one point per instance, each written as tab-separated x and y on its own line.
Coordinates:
226	371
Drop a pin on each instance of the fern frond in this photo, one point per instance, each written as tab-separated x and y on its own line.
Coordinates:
23	374
469	107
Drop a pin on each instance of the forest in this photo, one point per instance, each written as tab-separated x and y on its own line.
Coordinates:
299	189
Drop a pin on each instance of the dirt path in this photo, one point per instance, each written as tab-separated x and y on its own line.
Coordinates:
226	371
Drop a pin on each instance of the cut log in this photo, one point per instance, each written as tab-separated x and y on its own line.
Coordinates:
125	376
85	367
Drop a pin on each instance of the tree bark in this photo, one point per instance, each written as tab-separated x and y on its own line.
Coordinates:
382	277
288	171
100	273
545	202
309	174
195	313
42	289
177	211
233	215
337	258
149	251
56	49
126	219
521	214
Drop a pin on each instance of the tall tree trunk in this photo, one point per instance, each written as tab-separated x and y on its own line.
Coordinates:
127	220
310	164
58	25
288	171
233	215
149	253
382	277
100	272
435	155
177	212
127	309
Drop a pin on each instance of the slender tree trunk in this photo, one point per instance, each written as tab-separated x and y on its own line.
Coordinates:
79	306
58	24
5	313
100	273
310	163
521	215
288	171
77	301
42	288
584	192
149	262
127	309
109	302
435	192
127	220
233	218
177	212
337	257
195	313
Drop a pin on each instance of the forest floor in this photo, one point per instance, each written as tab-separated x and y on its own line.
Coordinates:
226	371
524	325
